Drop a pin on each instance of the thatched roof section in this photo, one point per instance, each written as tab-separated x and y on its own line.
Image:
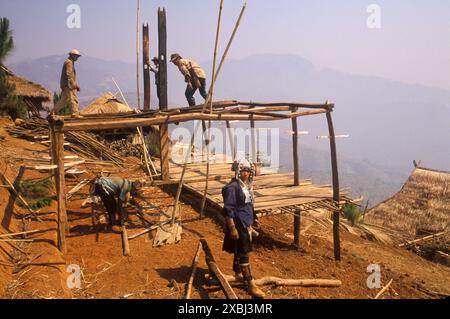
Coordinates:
107	103
422	204
26	88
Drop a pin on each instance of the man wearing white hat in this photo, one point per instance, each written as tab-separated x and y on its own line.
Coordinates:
69	85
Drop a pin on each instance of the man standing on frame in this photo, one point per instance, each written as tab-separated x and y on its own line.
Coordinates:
69	85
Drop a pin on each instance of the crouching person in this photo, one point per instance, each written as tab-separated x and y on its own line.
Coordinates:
114	193
238	198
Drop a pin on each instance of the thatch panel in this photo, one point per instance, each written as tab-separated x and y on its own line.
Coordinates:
423	204
26	88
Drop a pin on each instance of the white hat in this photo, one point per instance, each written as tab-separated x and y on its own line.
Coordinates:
75	52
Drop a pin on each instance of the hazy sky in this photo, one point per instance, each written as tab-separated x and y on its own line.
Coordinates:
412	45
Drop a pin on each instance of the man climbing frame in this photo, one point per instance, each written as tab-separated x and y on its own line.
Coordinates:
238	198
194	76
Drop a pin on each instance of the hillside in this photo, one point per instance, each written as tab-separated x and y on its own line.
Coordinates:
162	272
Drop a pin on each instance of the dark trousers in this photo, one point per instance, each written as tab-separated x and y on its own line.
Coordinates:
110	203
191	89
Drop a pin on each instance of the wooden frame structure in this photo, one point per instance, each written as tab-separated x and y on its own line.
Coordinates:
219	111
222	111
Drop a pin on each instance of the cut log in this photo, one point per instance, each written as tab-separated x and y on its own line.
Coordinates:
215	271
275	281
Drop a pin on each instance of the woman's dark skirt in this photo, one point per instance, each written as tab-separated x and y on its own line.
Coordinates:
241	246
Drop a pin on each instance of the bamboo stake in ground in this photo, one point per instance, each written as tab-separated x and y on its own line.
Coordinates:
125	243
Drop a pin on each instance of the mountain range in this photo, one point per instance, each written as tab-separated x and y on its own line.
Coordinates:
390	123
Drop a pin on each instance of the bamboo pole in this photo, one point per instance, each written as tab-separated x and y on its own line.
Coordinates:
137	56
208	140
254	142
194	271
147	158
180	186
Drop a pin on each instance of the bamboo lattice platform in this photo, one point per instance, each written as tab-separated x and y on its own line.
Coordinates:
274	192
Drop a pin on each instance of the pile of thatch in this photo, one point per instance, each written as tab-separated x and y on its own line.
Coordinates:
421	207
106	104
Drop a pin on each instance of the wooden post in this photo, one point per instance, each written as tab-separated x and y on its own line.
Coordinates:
146	65
58	159
204	140
125	243
254	154
334	168
163	100
297	223
231	137
295	151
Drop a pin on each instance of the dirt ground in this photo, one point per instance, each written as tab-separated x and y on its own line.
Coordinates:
161	273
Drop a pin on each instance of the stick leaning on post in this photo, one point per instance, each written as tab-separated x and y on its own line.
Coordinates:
180	187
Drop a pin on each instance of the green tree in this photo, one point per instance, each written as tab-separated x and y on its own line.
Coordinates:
10	103
6	40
